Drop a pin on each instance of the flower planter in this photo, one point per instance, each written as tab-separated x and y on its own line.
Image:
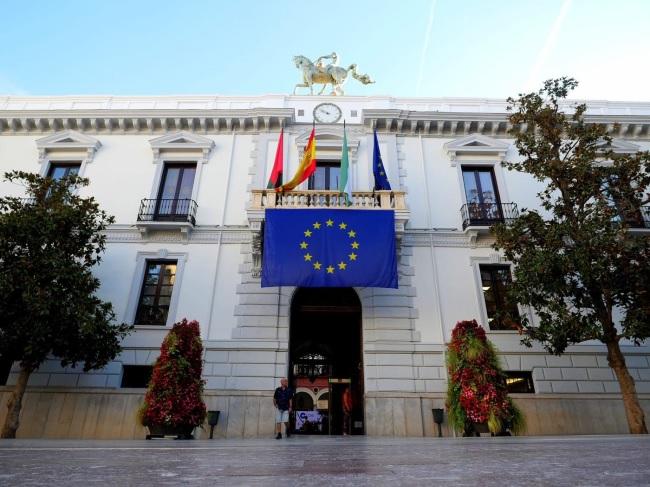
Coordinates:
161	431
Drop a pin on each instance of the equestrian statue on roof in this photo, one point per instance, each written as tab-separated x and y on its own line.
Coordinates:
326	74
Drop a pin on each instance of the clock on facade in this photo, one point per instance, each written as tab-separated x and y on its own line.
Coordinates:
327	113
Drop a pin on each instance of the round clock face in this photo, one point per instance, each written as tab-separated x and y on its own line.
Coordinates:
327	113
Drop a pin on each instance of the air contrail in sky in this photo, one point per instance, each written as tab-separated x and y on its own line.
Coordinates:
551	39
425	46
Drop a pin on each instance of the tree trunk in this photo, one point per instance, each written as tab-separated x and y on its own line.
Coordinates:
15	404
633	411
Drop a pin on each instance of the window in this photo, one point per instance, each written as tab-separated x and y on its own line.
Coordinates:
520	382
634	216
153	307
502	315
5	368
482	195
60	170
326	175
175	192
136	376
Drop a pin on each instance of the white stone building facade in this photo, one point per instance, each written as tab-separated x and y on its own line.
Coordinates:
132	148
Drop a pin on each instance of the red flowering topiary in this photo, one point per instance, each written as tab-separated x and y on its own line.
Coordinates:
173	398
477	389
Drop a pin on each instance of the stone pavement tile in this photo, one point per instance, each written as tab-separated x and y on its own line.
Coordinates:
301	461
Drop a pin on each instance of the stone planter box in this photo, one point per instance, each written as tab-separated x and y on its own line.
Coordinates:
162	431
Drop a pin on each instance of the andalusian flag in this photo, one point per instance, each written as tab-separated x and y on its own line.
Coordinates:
275	181
307	165
344	176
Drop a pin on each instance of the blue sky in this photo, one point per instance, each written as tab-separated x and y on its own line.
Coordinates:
477	48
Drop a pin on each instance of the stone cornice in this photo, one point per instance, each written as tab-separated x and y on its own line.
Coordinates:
13	122
453	124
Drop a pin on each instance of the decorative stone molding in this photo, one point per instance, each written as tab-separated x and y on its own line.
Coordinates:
181	142
476	145
619	146
69	142
14	122
494	124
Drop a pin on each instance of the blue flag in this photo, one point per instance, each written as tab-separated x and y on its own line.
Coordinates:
378	169
329	248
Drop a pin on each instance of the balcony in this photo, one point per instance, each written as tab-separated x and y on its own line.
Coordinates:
640	220
167	214
487	214
361	200
261	199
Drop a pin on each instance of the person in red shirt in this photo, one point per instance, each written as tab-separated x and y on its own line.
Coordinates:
346	399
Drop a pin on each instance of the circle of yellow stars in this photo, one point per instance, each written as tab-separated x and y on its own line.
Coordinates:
320	266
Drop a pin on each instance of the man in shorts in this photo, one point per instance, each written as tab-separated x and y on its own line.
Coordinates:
282	399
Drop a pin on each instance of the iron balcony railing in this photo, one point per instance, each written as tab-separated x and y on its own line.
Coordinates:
168	210
487	214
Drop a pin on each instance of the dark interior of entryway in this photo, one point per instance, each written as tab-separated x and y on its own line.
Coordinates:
325	358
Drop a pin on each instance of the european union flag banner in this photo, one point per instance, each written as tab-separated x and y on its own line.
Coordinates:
329	248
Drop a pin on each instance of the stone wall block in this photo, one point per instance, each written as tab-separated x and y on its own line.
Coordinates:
552	374
435	360
564	387
529	362
218	369
591	387
511	362
254	370
574	374
600	373
395	385
92	380
436	386
636	361
63	380
393	358
395	372
543	387
260	310
612	386
251	357
584	361
558	361
428	373
215	383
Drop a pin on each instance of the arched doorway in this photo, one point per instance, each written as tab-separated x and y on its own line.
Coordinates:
325	358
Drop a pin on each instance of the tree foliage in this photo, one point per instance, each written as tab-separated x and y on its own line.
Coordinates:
578	263
49	244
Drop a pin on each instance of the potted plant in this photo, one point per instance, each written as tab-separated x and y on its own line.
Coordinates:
173	404
477	398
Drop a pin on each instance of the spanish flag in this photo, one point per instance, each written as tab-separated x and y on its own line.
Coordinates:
307	165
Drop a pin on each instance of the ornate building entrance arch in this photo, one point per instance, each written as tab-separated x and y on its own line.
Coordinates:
325	358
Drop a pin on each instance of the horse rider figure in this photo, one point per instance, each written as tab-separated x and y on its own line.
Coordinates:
322	67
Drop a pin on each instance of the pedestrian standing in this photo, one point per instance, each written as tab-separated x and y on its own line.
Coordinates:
282	400
348	405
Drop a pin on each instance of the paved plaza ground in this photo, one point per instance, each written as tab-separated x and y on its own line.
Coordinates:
585	460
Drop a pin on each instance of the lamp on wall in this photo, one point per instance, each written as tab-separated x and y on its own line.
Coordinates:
213	419
438	416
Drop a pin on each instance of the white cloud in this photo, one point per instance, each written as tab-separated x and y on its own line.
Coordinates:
425	47
534	80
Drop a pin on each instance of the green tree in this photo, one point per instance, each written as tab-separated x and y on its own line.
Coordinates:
577	262
49	243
